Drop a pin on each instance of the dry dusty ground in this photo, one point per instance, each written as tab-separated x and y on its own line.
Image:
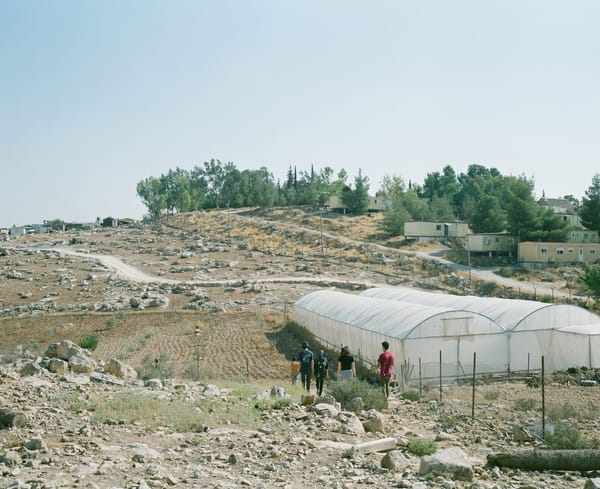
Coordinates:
222	291
239	272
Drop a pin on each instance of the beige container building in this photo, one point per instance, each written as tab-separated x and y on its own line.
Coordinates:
540	253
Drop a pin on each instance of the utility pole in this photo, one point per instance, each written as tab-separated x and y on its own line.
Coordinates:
197	333
469	259
228	222
321	217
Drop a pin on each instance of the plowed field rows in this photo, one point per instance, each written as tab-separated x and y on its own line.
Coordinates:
235	345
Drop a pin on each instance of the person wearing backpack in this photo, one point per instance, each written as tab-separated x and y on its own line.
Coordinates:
321	371
307	365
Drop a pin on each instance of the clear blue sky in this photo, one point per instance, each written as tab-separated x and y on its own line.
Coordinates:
96	95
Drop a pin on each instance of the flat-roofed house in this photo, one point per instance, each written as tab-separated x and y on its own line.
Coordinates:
583	236
429	230
492	243
375	204
544	253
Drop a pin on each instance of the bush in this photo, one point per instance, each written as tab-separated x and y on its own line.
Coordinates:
491	395
560	413
345	391
156	368
566	436
200	373
90	342
523	404
411	395
421	447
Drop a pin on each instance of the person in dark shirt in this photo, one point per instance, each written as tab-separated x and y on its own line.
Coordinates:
307	365
346	369
321	371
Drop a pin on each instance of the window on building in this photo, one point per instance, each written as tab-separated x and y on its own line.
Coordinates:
570	251
438	227
543	250
487	241
592	251
585	235
560	251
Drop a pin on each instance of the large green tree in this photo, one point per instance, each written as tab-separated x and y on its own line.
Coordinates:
488	215
393	191
357	199
529	220
589	212
521	209
153	196
591	278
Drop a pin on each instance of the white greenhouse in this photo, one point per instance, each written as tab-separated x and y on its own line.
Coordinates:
417	333
424	328
533	328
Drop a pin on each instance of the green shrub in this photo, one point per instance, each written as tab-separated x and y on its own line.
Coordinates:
145	409
523	404
562	412
567	436
491	395
534	381
345	391
90	342
411	395
447	422
73	401
200	373
153	367
421	447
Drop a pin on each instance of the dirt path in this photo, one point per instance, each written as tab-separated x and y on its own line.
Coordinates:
133	273
117	264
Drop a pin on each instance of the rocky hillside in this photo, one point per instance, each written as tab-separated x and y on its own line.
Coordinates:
188	383
69	419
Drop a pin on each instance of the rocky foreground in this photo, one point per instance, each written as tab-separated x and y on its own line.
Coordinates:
70	420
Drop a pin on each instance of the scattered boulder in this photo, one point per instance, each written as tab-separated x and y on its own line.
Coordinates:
452	461
81	364
395	460
120	369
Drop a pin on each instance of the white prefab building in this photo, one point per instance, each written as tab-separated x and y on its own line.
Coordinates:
417	333
435	230
532	328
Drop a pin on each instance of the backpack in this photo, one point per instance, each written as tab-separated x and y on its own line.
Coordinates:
305	358
321	366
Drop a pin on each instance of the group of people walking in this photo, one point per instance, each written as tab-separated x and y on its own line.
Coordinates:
305	364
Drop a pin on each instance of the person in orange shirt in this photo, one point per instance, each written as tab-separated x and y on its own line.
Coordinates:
295	370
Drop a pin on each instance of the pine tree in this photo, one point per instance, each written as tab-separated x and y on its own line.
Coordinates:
589	212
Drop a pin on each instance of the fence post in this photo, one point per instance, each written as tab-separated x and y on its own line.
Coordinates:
440	376
473	396
543	403
420	379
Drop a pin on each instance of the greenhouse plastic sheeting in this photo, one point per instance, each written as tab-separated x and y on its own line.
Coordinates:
418	334
532	327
